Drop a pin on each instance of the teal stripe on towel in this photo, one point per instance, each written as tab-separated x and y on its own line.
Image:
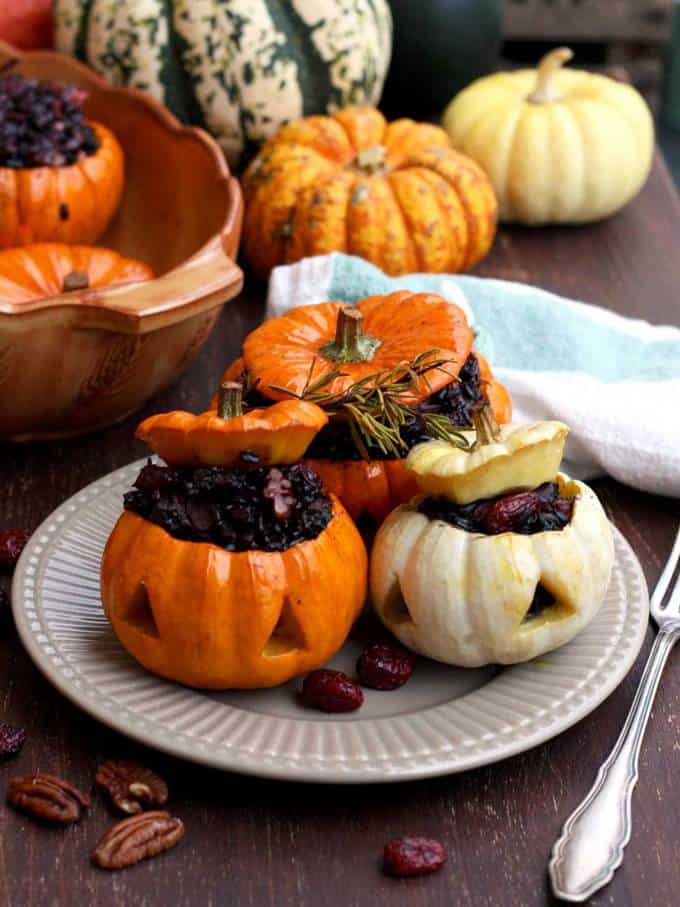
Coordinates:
528	328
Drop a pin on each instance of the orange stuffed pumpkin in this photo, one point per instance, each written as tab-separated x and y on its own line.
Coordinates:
210	609
348	351
61	176
394	193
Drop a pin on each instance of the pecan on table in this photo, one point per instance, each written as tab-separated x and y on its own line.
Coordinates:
132	787
137	838
47	797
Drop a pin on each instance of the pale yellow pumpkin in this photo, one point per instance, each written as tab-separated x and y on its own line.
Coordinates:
464	598
560	146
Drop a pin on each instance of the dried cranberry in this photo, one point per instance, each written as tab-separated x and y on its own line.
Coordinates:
504	513
331	691
12	543
384	666
12	740
413	856
42	124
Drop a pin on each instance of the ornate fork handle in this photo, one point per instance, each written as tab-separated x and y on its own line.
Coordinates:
590	848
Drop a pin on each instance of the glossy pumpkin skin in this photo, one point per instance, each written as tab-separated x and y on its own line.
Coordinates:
71	204
573	158
215	619
462	597
278	434
281	351
39	270
26	24
318	187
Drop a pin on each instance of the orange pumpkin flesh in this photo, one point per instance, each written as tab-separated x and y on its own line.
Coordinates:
215	619
396	329
394	193
279	434
48	269
72	204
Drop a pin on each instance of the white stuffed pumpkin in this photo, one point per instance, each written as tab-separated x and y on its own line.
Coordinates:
559	146
465	598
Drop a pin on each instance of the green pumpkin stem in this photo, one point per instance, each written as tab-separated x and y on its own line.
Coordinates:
230	400
350	343
485	424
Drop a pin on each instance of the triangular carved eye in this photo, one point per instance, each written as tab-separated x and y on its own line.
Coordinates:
396	610
544	605
287	634
139	614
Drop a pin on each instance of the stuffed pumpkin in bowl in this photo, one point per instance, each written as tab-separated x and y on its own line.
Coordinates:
500	560
217	575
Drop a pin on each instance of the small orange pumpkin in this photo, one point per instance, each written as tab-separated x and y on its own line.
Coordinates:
216	619
379	333
74	203
394	193
276	434
48	269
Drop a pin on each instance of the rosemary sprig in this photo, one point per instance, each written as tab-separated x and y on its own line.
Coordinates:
379	405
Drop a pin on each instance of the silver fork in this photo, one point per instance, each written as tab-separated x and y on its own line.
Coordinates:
590	848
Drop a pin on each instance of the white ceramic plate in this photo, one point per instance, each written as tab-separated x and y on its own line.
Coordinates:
444	720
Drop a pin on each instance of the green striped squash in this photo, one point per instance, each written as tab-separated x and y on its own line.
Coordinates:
239	68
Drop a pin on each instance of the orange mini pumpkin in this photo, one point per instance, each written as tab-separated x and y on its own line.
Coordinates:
276	434
394	330
48	269
74	203
394	193
208	617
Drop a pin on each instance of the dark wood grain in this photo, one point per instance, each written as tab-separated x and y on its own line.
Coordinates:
252	842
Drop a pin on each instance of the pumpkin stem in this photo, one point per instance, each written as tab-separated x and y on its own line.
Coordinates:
371	160
545	90
75	280
350	344
230	400
485	424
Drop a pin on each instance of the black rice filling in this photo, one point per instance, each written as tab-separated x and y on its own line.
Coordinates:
264	508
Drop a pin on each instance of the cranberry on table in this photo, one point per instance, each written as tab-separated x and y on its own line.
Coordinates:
384	666
331	691
12	543
413	856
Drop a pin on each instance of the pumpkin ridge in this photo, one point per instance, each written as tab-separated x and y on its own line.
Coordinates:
412	245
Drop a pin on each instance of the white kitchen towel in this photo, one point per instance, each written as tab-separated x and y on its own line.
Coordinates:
615	381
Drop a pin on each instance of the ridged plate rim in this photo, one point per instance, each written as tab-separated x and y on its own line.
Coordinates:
487	725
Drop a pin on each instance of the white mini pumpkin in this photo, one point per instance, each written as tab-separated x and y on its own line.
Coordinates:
462	597
559	146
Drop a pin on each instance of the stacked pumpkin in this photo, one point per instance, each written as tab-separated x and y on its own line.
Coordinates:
391	371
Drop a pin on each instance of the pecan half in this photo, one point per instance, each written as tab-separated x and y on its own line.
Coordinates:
48	798
132	787
137	838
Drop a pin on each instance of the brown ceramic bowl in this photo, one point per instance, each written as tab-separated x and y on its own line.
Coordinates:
79	361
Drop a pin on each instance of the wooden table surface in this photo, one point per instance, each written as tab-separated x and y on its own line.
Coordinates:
254	842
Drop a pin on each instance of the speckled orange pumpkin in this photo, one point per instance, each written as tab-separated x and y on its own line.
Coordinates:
394	193
72	204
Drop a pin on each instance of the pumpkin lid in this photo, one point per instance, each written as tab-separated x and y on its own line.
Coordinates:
519	457
279	434
346	344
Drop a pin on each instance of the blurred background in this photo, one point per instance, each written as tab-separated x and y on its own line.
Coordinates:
457	40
